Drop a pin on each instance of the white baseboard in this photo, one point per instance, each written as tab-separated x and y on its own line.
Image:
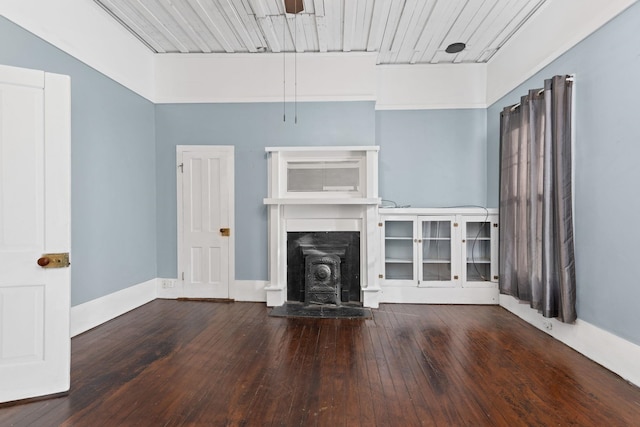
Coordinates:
276	295
100	310
169	288
249	290
239	290
371	296
415	295
614	353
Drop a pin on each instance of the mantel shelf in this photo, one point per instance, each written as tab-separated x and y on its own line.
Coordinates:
324	148
322	201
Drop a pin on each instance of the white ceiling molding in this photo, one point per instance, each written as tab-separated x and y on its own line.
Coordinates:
428	87
401	31
565	24
321	77
83	30
260	78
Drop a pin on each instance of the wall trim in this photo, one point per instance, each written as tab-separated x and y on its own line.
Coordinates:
86	32
431	86
614	353
100	310
432	106
239	290
248	290
415	295
222	78
565	26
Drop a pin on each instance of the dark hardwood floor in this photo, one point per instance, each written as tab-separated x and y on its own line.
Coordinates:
185	363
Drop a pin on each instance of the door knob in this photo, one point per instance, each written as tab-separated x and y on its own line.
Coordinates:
225	231
60	260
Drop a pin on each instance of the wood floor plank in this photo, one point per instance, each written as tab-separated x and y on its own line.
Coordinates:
322	399
285	378
362	383
393	397
348	384
187	363
305	379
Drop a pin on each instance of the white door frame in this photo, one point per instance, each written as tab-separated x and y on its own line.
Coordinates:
48	373
224	149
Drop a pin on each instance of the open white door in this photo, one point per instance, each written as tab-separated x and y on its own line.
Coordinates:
205	220
34	221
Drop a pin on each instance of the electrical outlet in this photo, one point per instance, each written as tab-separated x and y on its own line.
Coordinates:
547	325
168	283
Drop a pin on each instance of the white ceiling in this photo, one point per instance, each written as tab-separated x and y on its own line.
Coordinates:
401	31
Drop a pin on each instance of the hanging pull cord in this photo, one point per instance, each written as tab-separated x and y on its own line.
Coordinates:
284	70
295	69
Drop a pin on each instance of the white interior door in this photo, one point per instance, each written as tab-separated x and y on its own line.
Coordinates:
34	220
205	198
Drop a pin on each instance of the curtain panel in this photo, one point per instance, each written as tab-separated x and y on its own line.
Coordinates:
537	262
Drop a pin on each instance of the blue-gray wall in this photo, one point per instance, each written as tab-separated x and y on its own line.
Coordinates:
607	152
427	158
123	166
432	158
250	128
113	185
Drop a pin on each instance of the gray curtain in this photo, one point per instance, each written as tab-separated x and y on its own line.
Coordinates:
536	219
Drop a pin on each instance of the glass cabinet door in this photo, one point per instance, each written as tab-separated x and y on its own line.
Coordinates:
399	250
478	253
436	251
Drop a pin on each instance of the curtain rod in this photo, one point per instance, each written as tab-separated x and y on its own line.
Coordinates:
569	78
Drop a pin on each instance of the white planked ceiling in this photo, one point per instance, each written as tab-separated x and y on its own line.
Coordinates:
401	31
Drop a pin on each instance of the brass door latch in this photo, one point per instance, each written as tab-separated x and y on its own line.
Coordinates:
60	260
225	232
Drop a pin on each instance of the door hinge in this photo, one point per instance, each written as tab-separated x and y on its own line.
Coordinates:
183	275
379	224
181	166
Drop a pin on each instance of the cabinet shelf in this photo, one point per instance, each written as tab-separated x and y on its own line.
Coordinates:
436	238
436	261
398	261
399	277
478	261
398	238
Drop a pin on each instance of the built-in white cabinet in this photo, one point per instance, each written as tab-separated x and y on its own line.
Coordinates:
479	249
438	248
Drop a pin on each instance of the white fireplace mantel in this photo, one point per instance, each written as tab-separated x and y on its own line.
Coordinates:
344	198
